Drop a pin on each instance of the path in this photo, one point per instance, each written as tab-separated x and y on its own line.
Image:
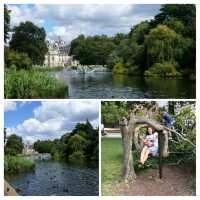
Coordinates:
9	190
112	133
176	181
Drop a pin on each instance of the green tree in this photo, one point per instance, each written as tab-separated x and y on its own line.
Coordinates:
6	23
76	143
14	145
30	39
182	12
163	44
44	146
17	60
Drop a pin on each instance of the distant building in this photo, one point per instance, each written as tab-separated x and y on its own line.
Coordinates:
28	149
58	55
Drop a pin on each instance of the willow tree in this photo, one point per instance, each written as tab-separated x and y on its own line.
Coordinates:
163	45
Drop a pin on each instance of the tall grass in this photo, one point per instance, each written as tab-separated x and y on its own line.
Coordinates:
33	83
17	164
49	69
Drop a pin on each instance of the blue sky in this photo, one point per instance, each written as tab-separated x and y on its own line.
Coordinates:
47	120
23	111
69	21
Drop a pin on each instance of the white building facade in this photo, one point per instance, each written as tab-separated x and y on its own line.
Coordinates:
58	55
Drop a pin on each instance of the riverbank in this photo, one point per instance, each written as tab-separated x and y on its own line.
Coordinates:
17	164
35	83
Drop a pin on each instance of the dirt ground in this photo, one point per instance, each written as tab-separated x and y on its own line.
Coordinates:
176	181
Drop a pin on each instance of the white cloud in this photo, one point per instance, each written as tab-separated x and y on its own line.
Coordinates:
69	21
53	119
24	13
10	106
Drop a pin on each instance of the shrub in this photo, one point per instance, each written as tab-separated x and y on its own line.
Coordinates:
165	69
32	84
119	68
17	164
77	157
17	60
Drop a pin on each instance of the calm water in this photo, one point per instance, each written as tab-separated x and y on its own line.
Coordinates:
106	85
55	178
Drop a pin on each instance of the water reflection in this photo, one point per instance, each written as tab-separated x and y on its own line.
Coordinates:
107	85
56	178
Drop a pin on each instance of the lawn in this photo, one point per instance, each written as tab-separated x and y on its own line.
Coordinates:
111	160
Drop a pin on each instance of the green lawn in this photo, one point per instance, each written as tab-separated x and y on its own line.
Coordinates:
111	159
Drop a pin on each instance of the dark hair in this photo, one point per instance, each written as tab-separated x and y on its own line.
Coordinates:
153	130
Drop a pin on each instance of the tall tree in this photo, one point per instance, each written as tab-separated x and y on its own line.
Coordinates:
29	38
14	145
6	23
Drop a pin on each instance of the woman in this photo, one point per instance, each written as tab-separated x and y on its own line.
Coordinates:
150	145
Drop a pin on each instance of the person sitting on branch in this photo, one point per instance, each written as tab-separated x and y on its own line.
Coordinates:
150	145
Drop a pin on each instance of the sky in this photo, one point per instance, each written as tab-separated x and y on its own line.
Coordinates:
47	119
69	21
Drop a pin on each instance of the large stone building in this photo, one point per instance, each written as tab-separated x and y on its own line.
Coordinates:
58	55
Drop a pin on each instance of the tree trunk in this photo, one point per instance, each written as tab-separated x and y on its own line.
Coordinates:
165	152
127	141
129	132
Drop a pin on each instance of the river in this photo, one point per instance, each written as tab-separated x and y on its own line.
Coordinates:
106	85
59	179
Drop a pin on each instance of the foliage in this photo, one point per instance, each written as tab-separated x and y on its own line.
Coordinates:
17	164
43	146
30	39
77	157
113	111
82	141
14	145
163	45
32	84
15	60
92	50
6	23
119	68
168	38
186	124
165	69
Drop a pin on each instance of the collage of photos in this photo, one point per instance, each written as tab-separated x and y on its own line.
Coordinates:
99	103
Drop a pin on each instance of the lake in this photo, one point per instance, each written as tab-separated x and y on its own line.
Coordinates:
57	178
106	85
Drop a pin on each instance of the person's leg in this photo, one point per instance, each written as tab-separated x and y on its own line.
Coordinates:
144	154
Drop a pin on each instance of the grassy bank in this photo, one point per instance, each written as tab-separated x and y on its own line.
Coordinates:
33	84
17	164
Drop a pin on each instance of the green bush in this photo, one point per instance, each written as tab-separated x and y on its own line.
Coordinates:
32	84
17	60
165	69
119	68
77	157
17	164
